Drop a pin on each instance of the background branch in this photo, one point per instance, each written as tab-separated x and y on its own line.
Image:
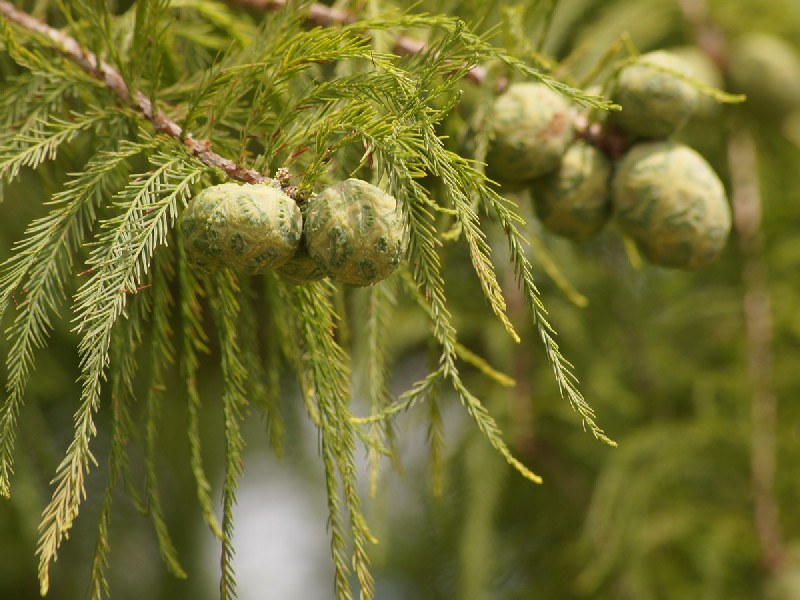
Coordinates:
758	328
325	16
746	200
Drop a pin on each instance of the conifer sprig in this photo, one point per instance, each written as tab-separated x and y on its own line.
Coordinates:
194	341
562	368
326	363
411	150
41	265
226	309
425	261
148	207
112	79
126	341
29	101
41	141
162	353
324	16
264	389
381	302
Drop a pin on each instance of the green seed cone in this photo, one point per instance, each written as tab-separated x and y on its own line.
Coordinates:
532	129
669	200
354	232
249	228
655	103
700	67
301	268
767	69
574	201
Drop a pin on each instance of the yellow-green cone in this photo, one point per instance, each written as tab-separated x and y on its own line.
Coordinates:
767	70
354	232
669	200
249	228
532	129
574	200
655	103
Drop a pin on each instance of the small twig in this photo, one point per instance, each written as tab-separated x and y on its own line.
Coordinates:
602	136
608	140
112	79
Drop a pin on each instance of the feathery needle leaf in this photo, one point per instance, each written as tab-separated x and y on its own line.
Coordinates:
226	309
120	259
44	259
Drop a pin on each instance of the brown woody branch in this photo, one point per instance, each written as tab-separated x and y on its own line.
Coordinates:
325	16
112	79
318	14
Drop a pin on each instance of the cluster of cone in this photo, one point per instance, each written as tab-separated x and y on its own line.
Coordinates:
663	194
352	232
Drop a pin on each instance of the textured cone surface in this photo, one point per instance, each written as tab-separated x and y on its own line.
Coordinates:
654	103
673	205
249	228
532	129
700	67
574	201
354	232
767	69
301	268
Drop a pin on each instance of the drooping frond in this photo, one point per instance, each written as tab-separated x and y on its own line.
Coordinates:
30	99
41	266
425	262
326	363
562	369
381	303
124	364
194	341
263	367
459	190
436	441
41	141
162	353
147	207
225	306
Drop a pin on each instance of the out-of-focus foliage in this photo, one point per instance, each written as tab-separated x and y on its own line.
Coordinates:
670	513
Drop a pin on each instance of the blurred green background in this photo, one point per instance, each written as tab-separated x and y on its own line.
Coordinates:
665	358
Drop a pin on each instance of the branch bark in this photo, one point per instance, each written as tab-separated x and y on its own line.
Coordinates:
324	16
318	14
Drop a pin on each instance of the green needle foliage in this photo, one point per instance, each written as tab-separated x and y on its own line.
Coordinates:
322	102
225	307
